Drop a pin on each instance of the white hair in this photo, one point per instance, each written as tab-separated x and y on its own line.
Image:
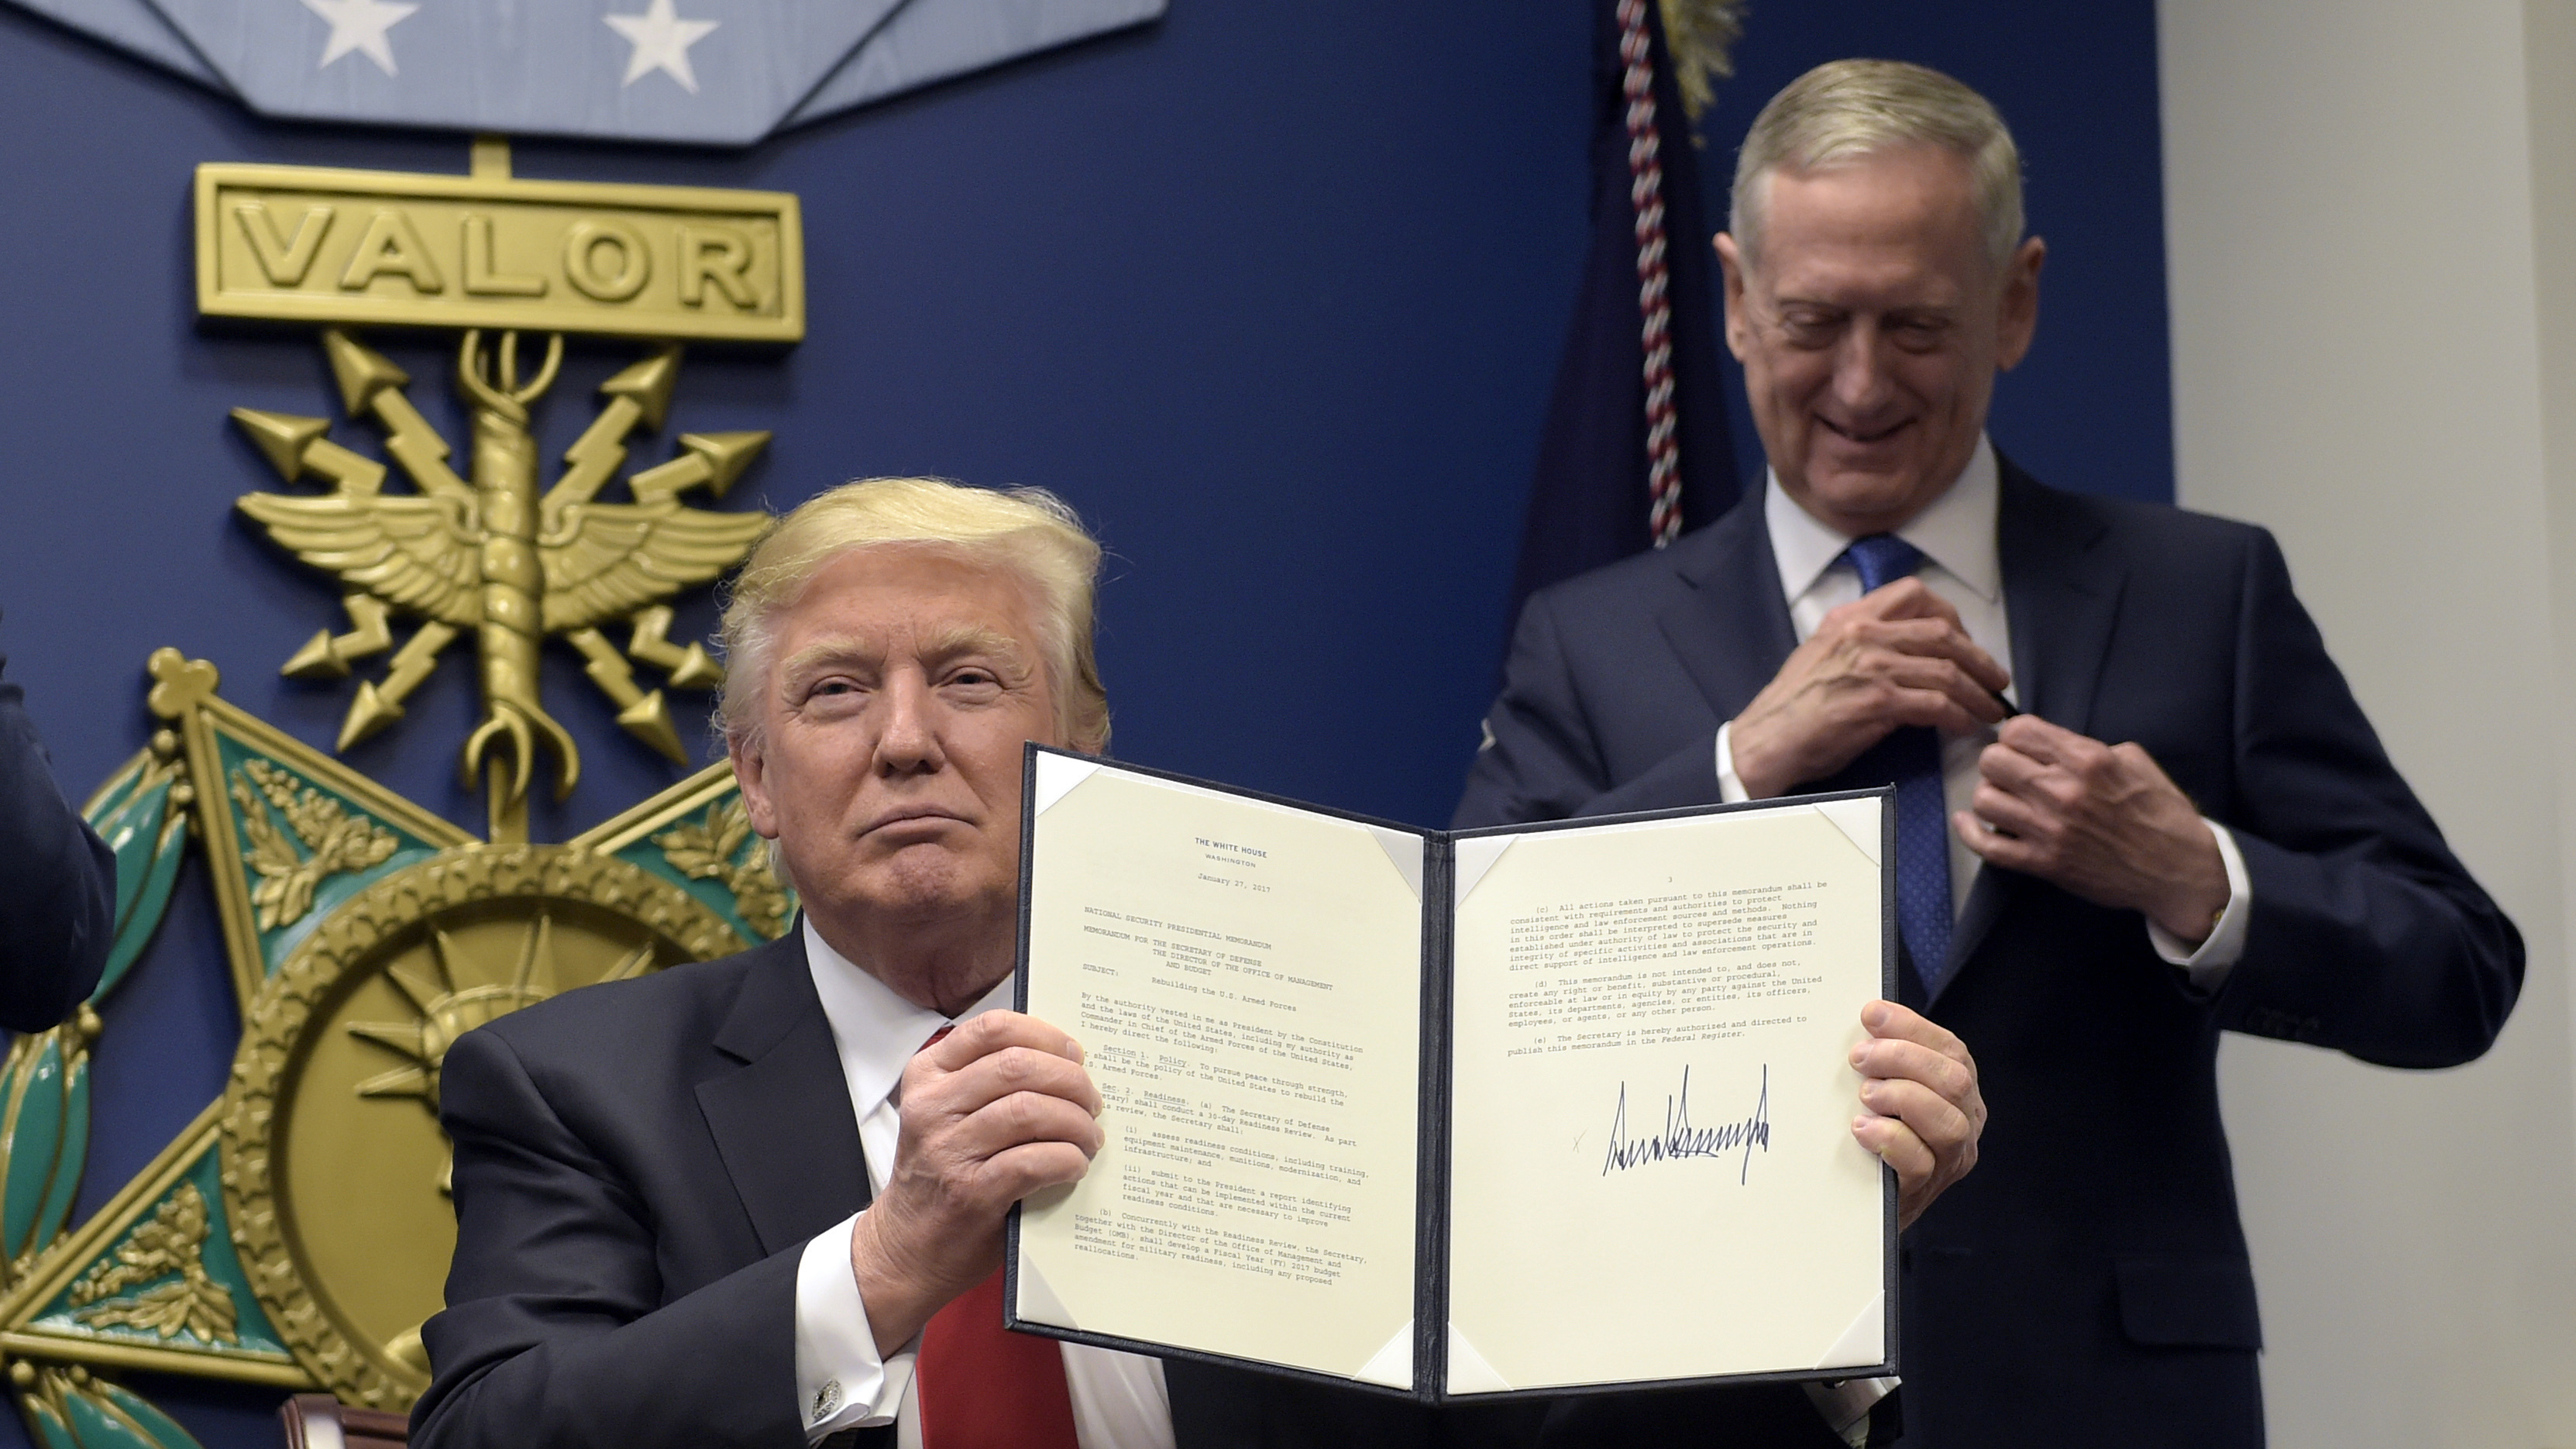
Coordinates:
1847	110
1026	532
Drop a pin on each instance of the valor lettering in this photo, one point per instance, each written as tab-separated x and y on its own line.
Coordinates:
497	252
582	248
392	245
717	254
483	275
283	260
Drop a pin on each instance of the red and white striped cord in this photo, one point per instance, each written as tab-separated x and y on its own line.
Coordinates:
1654	302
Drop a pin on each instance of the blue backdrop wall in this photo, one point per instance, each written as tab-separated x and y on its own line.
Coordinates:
1273	294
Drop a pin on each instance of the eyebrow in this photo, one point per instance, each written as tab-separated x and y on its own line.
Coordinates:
941	646
827	651
963	639
1937	309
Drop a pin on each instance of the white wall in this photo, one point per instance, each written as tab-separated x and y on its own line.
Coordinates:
2371	230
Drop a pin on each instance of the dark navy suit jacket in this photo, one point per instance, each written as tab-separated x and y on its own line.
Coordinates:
57	884
2088	1282
638	1168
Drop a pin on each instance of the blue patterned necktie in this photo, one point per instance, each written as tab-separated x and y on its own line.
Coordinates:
1910	759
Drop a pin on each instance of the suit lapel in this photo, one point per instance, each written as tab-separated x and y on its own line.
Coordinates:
1992	890
2062	601
782	1121
1730	627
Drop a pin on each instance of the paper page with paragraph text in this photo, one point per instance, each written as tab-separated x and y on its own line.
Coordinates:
1246	982
1653	1172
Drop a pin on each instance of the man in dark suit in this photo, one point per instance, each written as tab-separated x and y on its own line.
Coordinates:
57	883
2087	915
760	1200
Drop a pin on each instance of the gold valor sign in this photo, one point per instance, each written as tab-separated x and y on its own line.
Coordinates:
303	244
487	553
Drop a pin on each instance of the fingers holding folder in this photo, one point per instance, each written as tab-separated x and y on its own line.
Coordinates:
1921	1111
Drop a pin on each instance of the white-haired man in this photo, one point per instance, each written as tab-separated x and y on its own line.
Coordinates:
760	1200
2089	915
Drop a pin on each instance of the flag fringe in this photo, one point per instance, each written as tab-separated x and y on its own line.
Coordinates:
1701	35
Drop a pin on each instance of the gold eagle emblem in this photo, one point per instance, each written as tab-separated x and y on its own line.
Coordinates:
494	556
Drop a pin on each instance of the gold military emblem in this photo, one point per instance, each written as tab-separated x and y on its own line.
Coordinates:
296	1233
487	552
496	559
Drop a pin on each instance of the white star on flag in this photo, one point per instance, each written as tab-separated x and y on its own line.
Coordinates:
360	25
661	40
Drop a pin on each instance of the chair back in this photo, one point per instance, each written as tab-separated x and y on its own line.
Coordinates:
319	1421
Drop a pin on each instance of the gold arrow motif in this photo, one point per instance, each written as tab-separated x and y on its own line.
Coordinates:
371	384
497	557
640	394
327	655
690	668
376	707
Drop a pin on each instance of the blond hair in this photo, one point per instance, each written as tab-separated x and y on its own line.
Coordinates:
1028	532
1849	110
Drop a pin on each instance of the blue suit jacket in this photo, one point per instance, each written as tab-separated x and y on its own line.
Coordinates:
2089	1278
57	884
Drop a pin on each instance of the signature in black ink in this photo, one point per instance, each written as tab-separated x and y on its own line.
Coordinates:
1680	1139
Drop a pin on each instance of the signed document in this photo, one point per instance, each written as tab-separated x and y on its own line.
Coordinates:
1652	1169
1544	1109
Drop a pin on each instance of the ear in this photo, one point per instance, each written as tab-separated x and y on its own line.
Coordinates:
1739	327
2017	311
750	772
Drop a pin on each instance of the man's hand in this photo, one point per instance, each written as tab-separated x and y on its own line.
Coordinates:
994	1111
1894	656
2102	821
1921	1112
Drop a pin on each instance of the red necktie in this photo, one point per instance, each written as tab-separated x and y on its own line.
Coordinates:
984	1387
980	1386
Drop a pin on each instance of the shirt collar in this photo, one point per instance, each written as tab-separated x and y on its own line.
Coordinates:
1957	531
875	1030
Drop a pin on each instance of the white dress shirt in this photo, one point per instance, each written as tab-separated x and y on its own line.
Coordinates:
841	1382
1961	565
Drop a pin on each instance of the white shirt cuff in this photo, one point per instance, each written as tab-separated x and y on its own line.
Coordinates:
2208	964
1846	1405
841	1383
1730	789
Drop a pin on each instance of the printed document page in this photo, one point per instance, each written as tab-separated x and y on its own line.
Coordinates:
1654	1175
1246	981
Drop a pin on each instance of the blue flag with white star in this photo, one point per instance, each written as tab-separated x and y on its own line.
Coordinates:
709	72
